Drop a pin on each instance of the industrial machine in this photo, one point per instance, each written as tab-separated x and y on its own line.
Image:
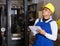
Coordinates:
14	22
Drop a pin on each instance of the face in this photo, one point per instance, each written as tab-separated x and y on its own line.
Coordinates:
46	12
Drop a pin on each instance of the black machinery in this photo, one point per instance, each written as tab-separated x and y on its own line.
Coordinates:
14	25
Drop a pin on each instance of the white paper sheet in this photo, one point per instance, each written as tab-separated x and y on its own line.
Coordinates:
34	29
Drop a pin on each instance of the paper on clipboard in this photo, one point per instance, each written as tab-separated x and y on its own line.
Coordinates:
34	29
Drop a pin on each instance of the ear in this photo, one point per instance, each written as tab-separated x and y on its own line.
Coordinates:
50	13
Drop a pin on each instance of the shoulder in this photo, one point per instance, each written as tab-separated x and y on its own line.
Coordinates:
37	20
53	24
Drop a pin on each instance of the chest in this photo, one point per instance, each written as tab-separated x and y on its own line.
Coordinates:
45	26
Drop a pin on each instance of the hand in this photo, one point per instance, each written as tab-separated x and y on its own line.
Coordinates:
41	31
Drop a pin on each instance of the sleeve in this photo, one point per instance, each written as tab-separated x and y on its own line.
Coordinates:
36	22
54	29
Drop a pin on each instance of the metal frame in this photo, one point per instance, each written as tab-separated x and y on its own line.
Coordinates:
26	35
2	24
8	6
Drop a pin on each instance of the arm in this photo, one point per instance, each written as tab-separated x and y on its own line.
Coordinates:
54	29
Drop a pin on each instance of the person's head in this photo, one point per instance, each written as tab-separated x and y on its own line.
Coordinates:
48	9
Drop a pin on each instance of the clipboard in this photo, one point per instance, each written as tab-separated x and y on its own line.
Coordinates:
34	29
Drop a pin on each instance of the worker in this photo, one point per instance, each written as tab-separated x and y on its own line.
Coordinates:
48	34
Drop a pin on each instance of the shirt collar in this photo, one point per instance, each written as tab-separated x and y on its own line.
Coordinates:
47	20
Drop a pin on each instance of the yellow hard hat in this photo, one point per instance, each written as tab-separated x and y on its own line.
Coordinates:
50	6
58	22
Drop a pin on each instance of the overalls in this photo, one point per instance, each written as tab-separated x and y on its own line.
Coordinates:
41	40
